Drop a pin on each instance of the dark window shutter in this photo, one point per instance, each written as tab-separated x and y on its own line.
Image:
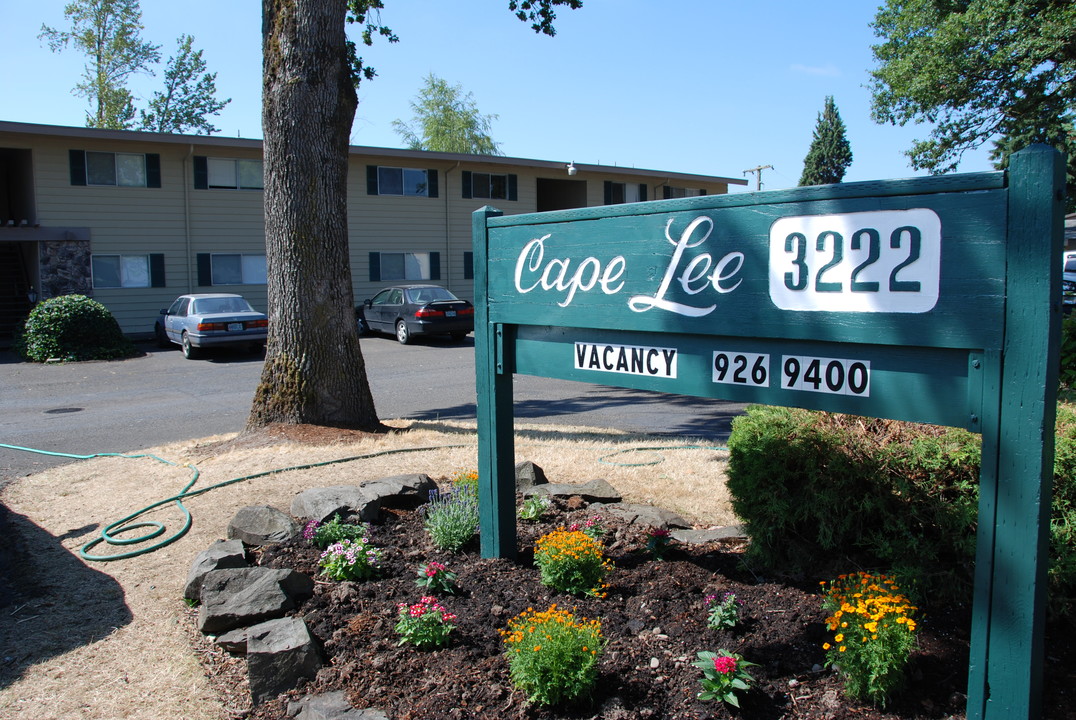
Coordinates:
608	193
466	182
201	172
667	192
156	270
205	270
702	192
642	192
371	179
513	193
435	266
468	266
431	183
153	170
78	166
375	267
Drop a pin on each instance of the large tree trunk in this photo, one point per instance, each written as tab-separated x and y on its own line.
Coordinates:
314	371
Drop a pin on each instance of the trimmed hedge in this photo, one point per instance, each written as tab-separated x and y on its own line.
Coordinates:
73	327
822	492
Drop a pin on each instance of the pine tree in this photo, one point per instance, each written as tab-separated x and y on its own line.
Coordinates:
830	154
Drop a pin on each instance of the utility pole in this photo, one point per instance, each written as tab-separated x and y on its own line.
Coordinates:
758	174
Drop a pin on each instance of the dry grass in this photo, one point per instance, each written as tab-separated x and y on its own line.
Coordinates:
105	640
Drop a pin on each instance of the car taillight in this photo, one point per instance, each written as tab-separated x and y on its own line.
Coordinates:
202	327
466	311
428	313
257	324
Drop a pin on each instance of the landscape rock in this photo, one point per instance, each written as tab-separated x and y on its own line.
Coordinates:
236	597
698	537
593	491
262	525
331	706
234	641
400	492
279	654
528	475
344	500
220	555
646	515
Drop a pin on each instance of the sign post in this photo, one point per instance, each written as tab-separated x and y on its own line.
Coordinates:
932	300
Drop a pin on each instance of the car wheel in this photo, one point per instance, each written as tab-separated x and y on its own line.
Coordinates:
364	328
402	333
189	351
162	336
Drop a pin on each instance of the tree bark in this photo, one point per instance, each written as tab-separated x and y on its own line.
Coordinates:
314	371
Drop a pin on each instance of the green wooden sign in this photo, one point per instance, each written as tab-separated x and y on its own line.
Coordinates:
932	300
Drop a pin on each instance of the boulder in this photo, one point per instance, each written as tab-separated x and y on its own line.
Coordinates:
220	555
279	654
234	641
400	492
262	525
698	537
243	596
344	500
331	706
593	491
528	475
646	515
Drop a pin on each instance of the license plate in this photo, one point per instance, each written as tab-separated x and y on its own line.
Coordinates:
450	313
235	327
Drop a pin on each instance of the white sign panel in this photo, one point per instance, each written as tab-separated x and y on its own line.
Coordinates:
627	359
872	262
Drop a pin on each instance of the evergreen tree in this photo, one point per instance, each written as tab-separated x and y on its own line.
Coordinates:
189	95
108	33
830	154
446	120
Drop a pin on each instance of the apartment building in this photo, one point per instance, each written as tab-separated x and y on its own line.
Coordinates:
133	219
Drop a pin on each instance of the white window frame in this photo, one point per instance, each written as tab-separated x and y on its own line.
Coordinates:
117	175
232	169
415	266
133	270
252	268
420	189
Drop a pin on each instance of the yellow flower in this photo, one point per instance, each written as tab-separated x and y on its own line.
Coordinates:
839	637
843	648
825	646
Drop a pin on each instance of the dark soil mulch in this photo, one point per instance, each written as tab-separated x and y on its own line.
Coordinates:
654	621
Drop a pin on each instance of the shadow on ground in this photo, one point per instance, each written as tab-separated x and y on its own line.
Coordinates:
50	602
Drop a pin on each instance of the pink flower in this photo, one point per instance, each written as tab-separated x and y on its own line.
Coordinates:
725	664
659	533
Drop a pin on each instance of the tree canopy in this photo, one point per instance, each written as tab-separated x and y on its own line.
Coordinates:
189	96
108	32
830	153
444	119
979	71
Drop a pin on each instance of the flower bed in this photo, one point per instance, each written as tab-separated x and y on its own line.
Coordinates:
654	621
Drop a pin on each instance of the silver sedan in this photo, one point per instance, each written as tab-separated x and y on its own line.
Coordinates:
210	320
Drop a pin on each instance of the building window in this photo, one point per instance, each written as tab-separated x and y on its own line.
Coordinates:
489	186
405	182
231	269
227	174
90	167
679	192
393	266
127	271
617	193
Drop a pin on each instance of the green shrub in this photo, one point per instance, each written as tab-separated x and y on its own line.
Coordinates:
1067	374
452	518
73	327
552	655
821	491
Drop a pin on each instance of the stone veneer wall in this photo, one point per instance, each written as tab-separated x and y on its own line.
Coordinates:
65	268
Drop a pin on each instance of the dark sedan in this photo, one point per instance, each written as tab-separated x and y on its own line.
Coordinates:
409	310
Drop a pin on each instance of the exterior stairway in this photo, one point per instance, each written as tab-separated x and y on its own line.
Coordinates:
14	303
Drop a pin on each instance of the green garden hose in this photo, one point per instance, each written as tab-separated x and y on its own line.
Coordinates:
109	533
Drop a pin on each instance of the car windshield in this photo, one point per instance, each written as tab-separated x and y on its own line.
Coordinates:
421	296
216	306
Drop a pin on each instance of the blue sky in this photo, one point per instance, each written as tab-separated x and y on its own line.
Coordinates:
699	86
